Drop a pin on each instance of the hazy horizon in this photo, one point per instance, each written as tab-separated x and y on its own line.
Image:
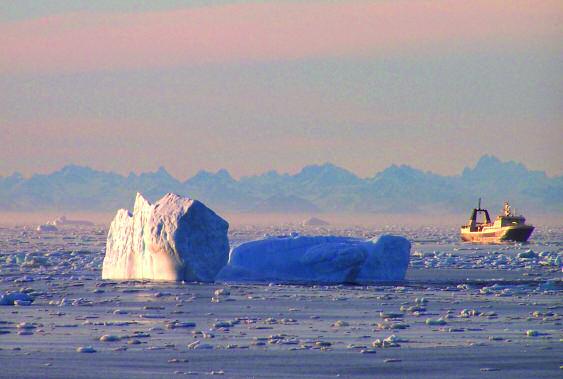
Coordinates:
376	220
253	86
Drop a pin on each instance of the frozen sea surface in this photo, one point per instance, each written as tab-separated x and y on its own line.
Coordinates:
464	310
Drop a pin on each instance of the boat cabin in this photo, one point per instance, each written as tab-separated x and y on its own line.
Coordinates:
508	217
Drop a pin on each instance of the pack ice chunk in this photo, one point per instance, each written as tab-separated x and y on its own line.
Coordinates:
11	298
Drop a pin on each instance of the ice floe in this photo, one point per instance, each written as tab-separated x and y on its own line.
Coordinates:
490	299
15	298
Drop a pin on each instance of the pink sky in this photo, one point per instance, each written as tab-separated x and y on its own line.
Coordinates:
75	42
266	85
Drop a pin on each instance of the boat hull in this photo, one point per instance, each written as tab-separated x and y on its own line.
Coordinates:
516	233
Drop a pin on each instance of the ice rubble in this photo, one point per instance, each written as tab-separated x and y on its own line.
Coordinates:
174	239
319	259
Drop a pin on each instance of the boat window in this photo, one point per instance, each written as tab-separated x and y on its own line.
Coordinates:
481	218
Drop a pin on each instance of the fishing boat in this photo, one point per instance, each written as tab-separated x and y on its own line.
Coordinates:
506	227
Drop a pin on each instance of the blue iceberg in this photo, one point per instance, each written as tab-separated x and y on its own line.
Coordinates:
318	259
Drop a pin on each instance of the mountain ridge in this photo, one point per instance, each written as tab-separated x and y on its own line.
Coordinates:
315	188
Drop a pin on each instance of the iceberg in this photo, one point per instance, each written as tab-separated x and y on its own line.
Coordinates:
174	239
47	228
388	260
314	221
318	259
65	221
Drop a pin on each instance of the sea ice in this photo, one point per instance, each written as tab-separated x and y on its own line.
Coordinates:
174	239
318	259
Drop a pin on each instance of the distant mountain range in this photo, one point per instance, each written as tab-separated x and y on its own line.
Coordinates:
315	189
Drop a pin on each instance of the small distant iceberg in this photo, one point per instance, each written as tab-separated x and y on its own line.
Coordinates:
61	221
174	239
46	228
52	226
314	222
318	259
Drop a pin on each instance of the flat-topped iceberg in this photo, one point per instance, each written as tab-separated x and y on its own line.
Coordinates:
47	228
318	259
174	239
65	221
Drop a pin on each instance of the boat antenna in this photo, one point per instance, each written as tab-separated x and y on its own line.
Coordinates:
479	206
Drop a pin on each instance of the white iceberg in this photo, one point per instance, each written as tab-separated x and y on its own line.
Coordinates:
174	239
318	260
65	221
